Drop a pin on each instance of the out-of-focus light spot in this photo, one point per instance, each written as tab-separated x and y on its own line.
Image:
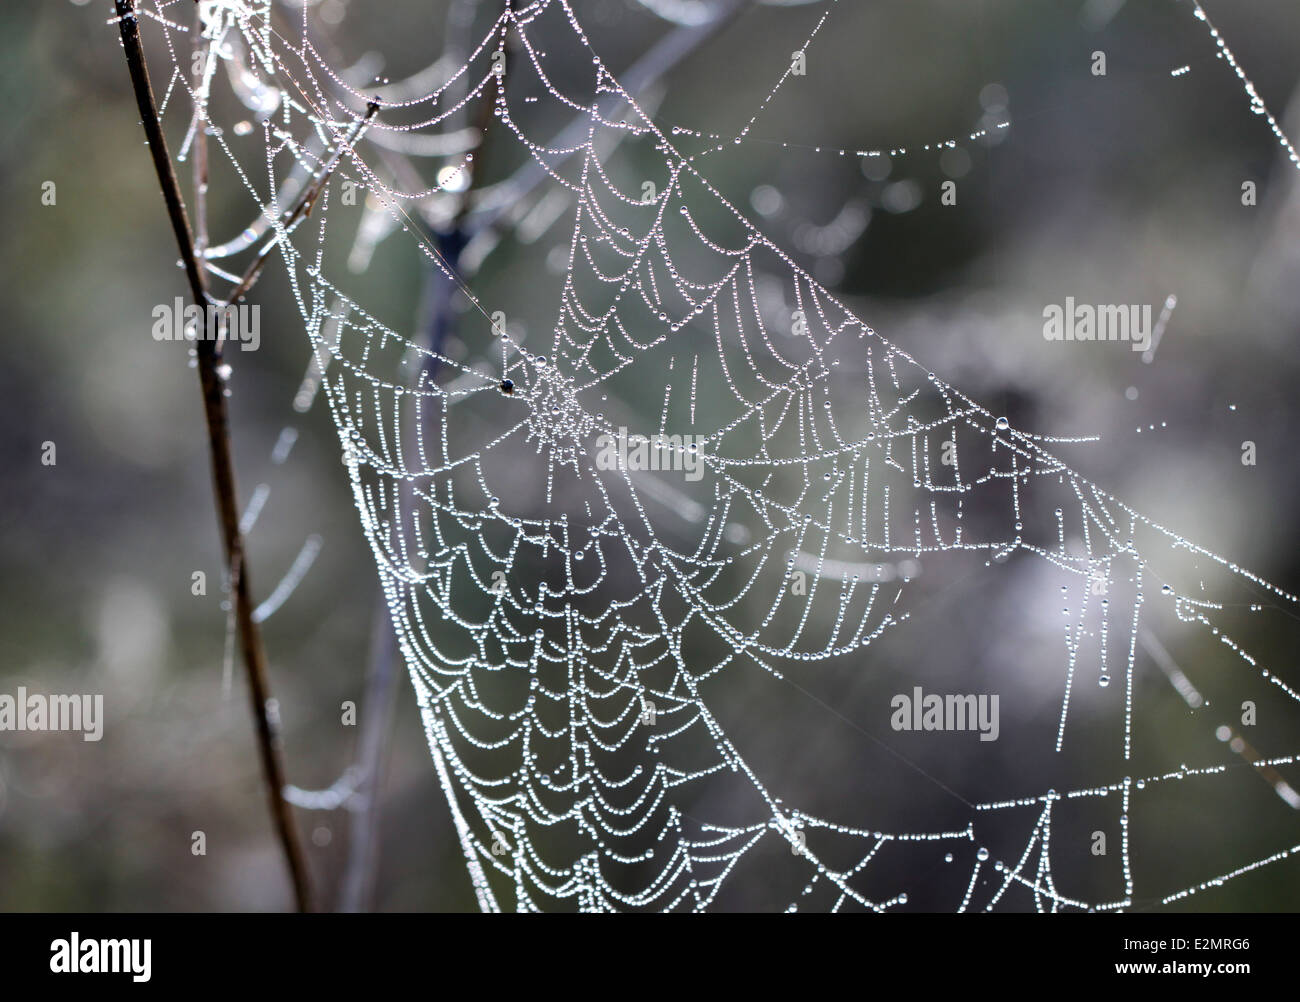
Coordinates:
453	178
994	99
901	196
955	162
332	11
766	200
876	168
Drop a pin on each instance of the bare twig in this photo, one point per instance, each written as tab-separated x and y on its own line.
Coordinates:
302	208
223	474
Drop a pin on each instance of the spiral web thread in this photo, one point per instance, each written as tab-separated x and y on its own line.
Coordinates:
572	631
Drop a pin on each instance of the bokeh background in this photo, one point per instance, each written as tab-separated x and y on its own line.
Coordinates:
1117	189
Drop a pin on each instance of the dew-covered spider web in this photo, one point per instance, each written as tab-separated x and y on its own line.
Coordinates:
665	680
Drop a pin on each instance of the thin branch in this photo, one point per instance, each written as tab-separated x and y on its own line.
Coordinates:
223	472
302	208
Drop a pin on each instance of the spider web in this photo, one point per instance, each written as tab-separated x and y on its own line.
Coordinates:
585	643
